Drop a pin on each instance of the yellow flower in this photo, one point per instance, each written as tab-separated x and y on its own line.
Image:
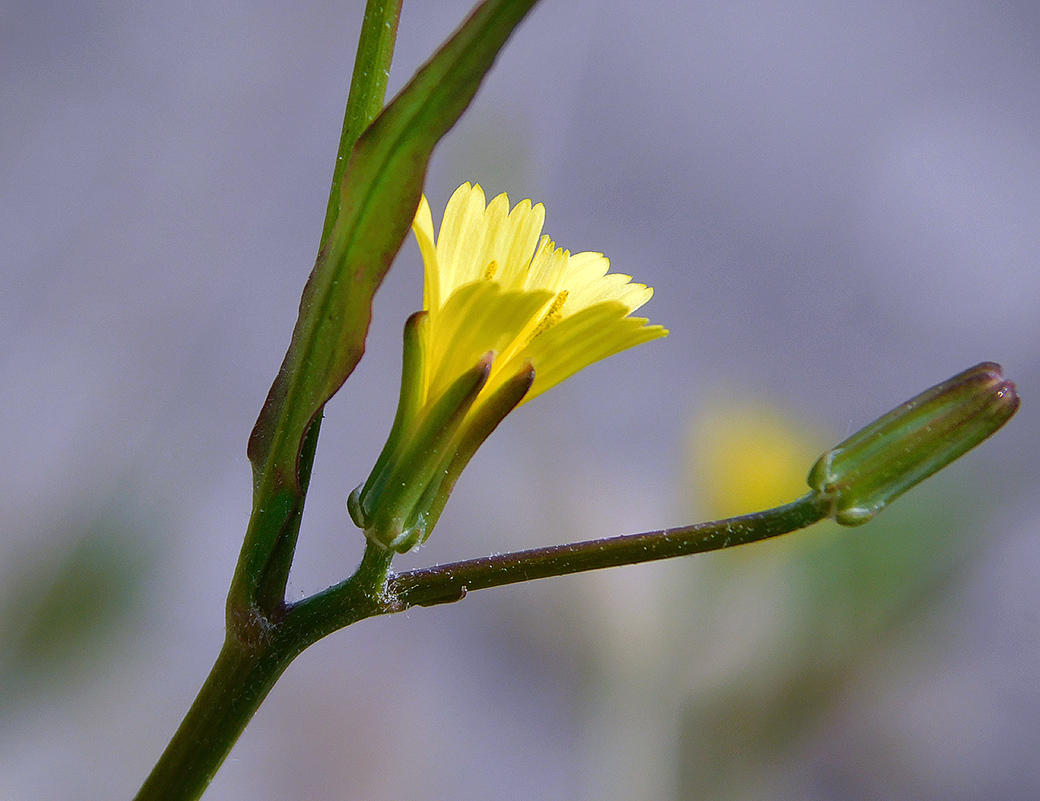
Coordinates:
506	316
493	285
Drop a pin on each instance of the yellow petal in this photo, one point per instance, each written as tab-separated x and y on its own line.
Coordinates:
472	236
477	318
592	334
422	227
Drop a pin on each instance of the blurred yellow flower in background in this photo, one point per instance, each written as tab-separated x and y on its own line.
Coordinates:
747	457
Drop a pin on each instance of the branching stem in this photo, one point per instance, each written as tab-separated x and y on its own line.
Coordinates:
337	606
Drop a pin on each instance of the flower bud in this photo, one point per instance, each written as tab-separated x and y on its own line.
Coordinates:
877	464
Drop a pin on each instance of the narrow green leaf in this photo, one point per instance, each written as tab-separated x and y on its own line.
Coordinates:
381	188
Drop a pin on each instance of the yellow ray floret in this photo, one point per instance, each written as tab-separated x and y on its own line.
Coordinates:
493	285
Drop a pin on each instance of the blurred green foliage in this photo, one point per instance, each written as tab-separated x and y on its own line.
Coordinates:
67	608
836	599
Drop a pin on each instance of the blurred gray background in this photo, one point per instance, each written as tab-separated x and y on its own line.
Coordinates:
838	205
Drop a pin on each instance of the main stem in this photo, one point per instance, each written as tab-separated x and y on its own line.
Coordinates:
367	91
238	683
261	641
244	673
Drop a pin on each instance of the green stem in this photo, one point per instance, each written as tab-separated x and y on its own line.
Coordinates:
246	670
367	90
237	684
240	680
336	607
270	542
261	641
451	582
321	614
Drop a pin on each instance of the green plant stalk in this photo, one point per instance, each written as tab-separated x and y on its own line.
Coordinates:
251	661
334	608
278	499
379	191
451	582
365	100
240	680
259	647
246	671
367	91
381	188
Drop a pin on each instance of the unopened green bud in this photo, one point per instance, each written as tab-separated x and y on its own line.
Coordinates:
877	464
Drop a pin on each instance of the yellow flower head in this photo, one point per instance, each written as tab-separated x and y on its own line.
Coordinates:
493	285
506	316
